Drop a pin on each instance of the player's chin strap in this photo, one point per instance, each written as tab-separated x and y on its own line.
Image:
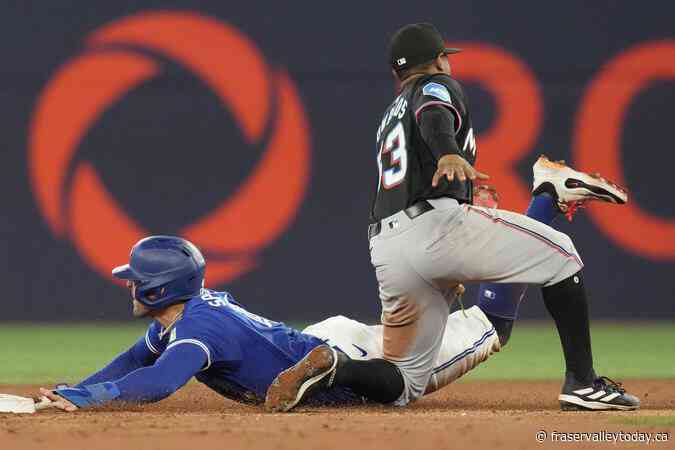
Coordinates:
170	325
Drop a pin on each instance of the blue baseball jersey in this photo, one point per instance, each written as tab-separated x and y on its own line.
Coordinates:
244	351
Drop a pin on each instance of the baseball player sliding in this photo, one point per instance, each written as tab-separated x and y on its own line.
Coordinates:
426	237
207	334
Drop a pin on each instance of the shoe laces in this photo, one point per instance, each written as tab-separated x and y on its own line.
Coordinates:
571	208
610	385
331	379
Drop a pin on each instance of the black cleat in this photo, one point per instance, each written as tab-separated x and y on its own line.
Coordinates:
601	395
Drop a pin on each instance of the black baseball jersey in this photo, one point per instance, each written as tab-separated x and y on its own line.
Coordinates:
406	164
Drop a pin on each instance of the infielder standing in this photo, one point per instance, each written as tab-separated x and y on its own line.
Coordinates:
426	237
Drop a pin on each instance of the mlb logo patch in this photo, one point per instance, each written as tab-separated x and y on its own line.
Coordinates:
436	90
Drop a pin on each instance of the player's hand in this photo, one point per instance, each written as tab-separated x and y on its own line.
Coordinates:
451	166
59	402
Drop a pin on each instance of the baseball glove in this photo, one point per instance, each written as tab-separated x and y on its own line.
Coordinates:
486	196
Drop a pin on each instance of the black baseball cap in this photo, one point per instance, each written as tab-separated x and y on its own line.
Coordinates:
415	44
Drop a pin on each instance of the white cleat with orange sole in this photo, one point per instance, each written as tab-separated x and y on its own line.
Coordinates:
571	188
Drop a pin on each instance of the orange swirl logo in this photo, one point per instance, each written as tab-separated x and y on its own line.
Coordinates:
79	207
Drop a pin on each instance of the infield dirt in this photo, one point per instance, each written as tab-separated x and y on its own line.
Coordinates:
466	415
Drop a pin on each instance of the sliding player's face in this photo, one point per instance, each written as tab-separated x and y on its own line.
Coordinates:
139	309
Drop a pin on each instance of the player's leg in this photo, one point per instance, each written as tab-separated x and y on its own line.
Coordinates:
499	301
522	250
468	340
413	326
355	339
414	315
361	365
557	188
442	246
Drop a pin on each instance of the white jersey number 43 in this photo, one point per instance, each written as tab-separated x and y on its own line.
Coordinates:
394	148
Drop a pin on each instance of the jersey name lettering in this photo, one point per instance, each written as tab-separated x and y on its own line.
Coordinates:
397	110
218	301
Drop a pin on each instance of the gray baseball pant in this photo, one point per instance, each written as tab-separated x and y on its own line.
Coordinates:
419	261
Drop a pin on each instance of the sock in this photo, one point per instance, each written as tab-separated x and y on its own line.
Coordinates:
567	303
500	302
542	208
377	380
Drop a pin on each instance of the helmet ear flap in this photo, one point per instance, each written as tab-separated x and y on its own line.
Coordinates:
148	295
135	288
154	294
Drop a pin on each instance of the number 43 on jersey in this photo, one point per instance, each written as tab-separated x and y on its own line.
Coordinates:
393	146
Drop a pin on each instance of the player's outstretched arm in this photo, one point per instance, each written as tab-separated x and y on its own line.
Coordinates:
145	385
139	355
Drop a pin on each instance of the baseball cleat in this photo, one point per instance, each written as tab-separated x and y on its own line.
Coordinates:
316	369
572	189
602	395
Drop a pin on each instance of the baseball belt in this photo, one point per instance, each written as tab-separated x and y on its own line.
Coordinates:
413	211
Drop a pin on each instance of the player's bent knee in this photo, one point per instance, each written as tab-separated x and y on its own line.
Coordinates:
570	261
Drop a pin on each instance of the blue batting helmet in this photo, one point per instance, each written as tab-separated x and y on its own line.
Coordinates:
165	269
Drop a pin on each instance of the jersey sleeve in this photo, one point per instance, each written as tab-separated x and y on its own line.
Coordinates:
438	132
153	342
171	371
439	91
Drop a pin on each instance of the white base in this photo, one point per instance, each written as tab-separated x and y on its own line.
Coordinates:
16	405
